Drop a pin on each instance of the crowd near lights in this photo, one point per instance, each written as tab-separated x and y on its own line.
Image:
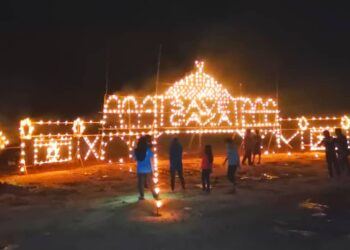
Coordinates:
196	104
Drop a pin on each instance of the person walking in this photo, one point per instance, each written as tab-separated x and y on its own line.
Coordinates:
341	144
248	144
257	146
331	158
175	158
232	157
143	156
207	167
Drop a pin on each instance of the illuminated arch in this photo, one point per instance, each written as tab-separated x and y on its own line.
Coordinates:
112	104
129	105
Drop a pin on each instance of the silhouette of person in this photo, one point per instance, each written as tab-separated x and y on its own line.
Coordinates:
341	144
257	146
248	145
331	158
232	157
175	158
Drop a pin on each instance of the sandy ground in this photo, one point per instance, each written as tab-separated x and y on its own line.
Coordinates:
288	202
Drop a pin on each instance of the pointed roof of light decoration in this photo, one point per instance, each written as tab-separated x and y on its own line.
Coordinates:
197	85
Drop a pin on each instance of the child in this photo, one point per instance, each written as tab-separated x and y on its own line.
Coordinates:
207	167
233	162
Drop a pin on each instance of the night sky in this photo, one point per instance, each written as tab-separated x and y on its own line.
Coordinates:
53	53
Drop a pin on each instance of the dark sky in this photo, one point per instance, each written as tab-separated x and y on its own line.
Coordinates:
53	53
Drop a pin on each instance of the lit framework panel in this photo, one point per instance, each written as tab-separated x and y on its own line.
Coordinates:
306	133
52	142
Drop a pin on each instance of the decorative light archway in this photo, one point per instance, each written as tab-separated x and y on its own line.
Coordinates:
196	104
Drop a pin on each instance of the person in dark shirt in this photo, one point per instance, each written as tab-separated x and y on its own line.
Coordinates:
329	144
248	145
175	157
341	143
257	146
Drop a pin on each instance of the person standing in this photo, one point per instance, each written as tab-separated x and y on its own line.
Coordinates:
148	138
331	157
248	144
143	156
175	158
341	144
257	146
207	167
233	160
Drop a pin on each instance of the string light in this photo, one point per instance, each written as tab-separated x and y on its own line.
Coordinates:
26	129
3	140
92	147
79	127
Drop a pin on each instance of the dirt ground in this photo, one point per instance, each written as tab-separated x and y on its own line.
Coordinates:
288	202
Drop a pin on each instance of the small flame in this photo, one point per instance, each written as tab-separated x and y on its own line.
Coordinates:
159	204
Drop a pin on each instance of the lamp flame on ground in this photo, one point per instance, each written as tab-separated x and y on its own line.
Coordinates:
159	204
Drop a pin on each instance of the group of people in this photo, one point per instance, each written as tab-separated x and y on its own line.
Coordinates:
206	165
143	154
336	149
252	147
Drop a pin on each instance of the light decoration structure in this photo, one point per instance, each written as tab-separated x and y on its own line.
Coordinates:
196	104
